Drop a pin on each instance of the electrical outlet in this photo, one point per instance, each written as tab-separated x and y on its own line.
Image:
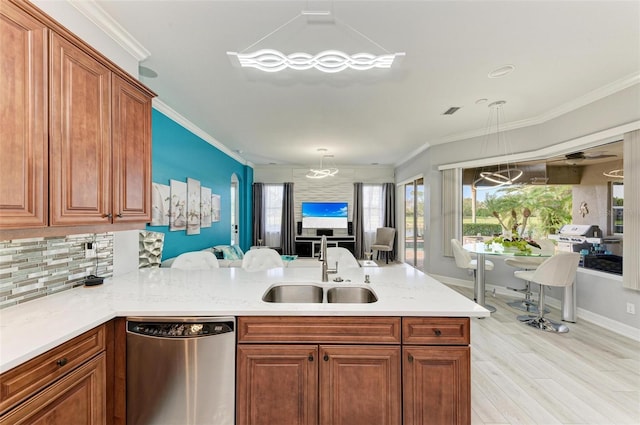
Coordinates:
90	250
631	308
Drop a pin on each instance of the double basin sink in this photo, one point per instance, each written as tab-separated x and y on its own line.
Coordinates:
309	293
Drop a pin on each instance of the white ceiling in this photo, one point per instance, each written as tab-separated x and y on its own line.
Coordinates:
564	52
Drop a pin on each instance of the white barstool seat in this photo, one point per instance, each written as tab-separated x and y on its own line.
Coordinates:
559	270
465	261
261	259
196	260
547	248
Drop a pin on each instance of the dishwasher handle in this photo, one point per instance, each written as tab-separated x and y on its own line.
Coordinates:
180	329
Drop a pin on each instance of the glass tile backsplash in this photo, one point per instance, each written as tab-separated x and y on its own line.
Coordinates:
36	267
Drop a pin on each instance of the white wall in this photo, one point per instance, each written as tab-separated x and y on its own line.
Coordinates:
604	294
338	188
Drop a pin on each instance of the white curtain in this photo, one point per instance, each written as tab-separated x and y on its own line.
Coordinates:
451	208
372	210
273	214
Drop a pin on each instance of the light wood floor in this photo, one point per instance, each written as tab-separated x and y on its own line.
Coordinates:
520	375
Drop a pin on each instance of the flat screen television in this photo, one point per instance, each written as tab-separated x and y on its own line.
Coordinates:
325	215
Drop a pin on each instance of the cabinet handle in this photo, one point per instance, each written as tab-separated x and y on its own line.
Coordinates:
438	332
61	362
310	357
410	358
119	215
107	215
326	357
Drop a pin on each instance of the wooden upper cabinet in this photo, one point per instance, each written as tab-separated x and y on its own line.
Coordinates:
131	134
80	137
23	119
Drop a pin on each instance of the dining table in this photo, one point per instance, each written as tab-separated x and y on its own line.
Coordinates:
481	249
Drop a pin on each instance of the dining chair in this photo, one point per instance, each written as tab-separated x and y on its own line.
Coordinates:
341	257
385	237
558	270
261	259
195	260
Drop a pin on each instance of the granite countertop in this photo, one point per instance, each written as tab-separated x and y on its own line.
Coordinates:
30	329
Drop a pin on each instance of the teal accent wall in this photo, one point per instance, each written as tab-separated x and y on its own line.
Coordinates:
177	154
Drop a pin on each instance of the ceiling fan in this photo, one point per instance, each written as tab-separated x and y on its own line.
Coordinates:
576	158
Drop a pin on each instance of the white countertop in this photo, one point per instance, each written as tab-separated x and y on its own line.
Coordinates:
30	329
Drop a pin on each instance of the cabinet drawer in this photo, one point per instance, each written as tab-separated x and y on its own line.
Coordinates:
435	330
28	378
78	398
375	330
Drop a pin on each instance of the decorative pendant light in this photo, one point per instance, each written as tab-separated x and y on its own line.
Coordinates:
322	171
329	61
503	174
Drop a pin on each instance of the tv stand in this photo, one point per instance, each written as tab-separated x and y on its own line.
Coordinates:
309	246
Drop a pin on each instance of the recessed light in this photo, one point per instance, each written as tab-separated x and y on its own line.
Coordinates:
481	101
501	71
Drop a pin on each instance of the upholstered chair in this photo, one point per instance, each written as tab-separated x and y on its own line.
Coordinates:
196	260
342	257
262	259
385	237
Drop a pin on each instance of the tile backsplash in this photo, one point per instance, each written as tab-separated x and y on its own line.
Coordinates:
36	267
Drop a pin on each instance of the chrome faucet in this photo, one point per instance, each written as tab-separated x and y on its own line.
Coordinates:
323	257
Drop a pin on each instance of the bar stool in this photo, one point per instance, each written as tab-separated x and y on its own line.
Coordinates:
529	263
464	261
559	270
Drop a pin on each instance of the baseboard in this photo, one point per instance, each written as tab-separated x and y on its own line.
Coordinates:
586	315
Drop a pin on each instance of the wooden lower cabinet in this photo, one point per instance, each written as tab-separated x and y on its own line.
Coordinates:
311	384
78	398
353	371
277	384
360	385
436	385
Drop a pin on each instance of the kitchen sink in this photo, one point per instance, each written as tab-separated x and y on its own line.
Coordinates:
351	294
293	294
307	293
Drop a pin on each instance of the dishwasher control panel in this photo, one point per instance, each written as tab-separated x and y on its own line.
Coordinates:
179	329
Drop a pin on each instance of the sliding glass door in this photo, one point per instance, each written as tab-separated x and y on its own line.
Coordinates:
414	223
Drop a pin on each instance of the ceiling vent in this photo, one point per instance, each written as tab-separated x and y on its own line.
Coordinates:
451	110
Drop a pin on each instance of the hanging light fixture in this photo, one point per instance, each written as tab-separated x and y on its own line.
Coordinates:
322	171
503	174
329	61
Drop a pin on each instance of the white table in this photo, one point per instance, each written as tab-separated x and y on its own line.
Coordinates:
481	249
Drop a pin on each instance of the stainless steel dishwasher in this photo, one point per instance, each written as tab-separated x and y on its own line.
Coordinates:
180	371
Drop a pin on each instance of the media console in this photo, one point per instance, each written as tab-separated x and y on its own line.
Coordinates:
309	246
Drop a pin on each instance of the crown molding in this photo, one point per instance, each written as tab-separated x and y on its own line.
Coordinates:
577	103
160	106
96	14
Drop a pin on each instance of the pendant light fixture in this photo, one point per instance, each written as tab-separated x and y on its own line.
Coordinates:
329	61
504	174
322	171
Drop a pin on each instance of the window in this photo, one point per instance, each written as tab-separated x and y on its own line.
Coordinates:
273	213
372	206
617	208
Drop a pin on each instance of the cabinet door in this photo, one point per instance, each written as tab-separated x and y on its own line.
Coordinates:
131	133
79	398
80	139
360	385
436	385
277	385
23	120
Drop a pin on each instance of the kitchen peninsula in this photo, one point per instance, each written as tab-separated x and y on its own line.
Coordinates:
421	309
